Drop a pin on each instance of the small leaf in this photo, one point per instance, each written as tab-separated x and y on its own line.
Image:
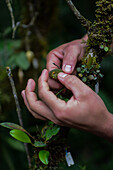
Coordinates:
101	47
89	61
43	131
84	79
21	61
91	77
66	99
43	156
51	132
80	75
10	125
78	69
105	40
20	135
106	49
39	144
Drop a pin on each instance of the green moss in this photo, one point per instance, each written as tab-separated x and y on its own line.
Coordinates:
99	39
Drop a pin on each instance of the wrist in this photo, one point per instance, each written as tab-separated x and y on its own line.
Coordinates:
107	127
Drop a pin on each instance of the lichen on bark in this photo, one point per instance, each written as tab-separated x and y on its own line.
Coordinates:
98	45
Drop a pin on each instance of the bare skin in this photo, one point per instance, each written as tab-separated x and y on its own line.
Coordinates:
85	110
68	54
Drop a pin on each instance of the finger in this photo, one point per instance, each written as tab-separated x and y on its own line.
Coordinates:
74	84
54	84
55	56
37	105
71	54
48	96
36	115
52	59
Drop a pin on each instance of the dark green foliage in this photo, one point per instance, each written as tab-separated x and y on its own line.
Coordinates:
86	149
50	135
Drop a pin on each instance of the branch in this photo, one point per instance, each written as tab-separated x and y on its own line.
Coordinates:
85	22
12	16
18	109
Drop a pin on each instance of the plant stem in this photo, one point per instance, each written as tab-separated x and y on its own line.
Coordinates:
12	16
18	109
59	92
85	22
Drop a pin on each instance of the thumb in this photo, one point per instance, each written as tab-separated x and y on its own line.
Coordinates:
71	54
74	84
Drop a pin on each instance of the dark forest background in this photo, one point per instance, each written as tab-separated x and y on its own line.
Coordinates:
54	25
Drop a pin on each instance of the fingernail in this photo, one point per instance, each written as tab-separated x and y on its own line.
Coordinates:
67	68
62	75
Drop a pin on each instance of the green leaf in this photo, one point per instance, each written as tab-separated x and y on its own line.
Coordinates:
51	132
10	125
84	79
20	135
43	156
21	61
106	49
39	144
101	47
89	61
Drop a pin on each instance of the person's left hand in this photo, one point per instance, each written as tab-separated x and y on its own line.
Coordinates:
85	110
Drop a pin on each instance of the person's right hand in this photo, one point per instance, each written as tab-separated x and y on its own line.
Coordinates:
85	110
66	56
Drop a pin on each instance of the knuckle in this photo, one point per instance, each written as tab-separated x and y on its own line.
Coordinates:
60	115
49	54
87	93
70	80
72	47
31	106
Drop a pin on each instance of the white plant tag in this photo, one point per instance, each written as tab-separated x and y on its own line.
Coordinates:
97	87
69	159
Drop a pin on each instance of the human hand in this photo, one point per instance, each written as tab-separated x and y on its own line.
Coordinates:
85	110
67	54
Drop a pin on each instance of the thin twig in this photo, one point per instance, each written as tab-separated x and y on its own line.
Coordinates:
12	15
85	22
25	26
59	92
18	109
